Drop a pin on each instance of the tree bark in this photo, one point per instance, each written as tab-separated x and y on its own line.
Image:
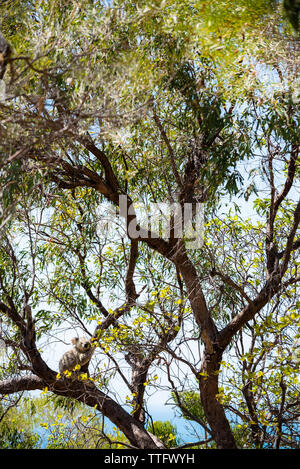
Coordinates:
213	409
208	377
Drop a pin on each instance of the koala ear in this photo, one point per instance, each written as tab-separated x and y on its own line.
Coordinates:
74	340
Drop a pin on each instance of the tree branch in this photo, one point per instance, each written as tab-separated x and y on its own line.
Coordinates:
290	241
24	383
296	245
92	397
111	179
271	251
129	283
28	344
170	149
229	281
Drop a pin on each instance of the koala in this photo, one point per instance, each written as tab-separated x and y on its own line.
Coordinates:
80	354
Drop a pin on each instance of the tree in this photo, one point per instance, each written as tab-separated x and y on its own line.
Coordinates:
13	433
133	105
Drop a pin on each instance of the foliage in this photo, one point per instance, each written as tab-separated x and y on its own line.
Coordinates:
13	438
15	433
166	432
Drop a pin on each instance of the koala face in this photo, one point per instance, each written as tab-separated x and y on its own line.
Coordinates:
82	344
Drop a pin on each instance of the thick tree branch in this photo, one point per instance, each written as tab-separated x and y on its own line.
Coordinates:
26	383
28	345
131	294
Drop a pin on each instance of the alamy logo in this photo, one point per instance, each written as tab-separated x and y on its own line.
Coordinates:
155	220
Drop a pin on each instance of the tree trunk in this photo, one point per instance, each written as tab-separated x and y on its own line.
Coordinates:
208	377
213	410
